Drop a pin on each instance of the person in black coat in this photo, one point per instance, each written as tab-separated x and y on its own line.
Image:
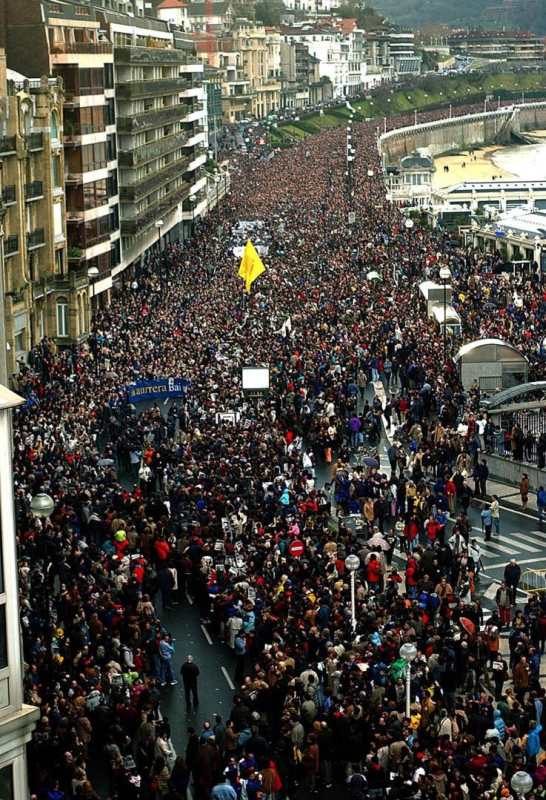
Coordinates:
190	672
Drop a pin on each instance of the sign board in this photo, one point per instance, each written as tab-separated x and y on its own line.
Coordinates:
157	389
352	217
255	379
296	548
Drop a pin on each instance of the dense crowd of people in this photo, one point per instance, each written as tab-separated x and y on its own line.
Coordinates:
145	502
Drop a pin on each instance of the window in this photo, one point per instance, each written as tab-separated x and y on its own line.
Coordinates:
62	317
54	127
3	657
56	172
59	264
6	782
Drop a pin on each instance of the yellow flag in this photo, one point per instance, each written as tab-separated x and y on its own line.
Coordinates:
251	265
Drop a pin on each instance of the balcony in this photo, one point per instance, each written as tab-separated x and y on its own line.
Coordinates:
77	177
149	55
144	186
11	245
36	239
152	119
9	195
7	145
131	227
72	135
35	141
135	89
147	152
34	191
89	48
75	255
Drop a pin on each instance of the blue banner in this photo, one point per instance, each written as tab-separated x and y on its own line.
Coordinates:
157	389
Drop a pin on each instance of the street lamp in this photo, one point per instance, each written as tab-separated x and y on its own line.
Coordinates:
159	224
42	505
352	563
521	783
92	274
408	652
445	276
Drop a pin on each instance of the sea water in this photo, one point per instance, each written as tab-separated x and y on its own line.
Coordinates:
526	162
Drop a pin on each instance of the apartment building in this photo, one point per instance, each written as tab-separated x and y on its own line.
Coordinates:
161	132
133	83
336	54
64	39
498	45
43	296
236	92
300	75
260	60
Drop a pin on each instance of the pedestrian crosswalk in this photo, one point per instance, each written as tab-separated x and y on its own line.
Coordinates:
514	544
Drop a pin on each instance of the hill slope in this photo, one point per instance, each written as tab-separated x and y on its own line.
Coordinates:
514	14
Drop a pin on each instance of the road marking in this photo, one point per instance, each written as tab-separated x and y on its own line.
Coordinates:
527	561
189	599
228	679
495	544
532	515
206	634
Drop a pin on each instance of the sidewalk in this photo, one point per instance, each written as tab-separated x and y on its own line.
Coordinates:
509	496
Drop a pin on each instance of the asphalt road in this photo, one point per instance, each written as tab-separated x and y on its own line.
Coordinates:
216	664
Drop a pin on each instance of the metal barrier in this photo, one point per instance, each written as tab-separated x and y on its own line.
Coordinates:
533	580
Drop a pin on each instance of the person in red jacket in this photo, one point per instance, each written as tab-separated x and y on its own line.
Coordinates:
162	550
412	570
411	531
374	574
432	528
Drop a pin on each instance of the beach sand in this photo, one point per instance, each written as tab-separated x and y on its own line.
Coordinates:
480	168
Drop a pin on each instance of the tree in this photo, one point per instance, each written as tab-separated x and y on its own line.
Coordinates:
269	12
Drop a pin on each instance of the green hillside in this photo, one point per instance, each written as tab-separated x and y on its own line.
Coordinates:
514	14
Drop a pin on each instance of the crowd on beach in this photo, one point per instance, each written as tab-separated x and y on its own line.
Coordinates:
151	506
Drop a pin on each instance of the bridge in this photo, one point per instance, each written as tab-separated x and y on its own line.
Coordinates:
502	126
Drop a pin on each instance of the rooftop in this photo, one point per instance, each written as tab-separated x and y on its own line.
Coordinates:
171	4
521	220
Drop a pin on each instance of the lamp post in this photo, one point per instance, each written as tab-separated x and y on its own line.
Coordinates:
217	184
521	783
445	276
42	505
92	274
408	651
352	563
409	224
159	224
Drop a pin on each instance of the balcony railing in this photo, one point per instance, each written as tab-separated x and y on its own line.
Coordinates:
7	145
134	89
146	185
149	55
152	119
130	227
11	245
35	141
147	152
73	134
97	48
9	195
77	177
36	238
34	190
